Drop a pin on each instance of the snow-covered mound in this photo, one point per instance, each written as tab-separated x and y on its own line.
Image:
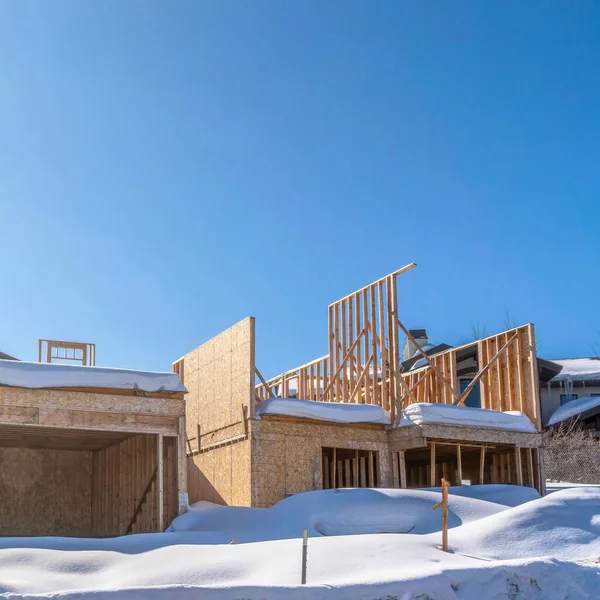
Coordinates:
496	551
573	408
329	512
564	525
335	412
367	567
507	495
34	375
424	413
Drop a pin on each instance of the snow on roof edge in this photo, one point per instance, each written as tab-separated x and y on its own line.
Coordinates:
34	375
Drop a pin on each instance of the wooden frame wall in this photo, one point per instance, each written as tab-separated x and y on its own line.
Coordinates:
82	353
485	464
510	382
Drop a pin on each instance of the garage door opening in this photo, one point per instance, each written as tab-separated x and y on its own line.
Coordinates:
85	483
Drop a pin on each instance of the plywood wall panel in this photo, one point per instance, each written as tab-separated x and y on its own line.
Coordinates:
219	376
45	492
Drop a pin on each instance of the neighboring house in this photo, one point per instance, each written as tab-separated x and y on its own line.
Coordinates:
4	356
577	378
363	415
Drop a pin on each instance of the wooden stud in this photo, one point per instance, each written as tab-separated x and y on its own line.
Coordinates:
482	465
347	473
519	466
395	470
432	477
530	473
334	470
326	476
372	482
402	461
459	473
334	378
356	479
340	474
481	373
375	387
363	472
160	481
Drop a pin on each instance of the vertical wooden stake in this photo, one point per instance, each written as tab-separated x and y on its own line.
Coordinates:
159	481
444	506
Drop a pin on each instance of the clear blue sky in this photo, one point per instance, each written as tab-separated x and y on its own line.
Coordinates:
168	168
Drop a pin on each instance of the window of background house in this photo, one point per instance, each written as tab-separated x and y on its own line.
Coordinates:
593	395
474	398
564	398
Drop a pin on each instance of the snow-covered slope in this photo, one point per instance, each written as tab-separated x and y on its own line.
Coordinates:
564	524
35	375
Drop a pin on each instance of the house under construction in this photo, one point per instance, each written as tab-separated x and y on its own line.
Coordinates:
240	454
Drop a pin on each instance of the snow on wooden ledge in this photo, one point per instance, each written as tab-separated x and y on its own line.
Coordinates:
35	375
447	414
334	412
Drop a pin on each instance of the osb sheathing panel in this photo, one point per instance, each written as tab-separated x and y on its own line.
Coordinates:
285	456
221	475
45	492
61	399
219	376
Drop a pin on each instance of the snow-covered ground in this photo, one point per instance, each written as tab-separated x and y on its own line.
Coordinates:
506	542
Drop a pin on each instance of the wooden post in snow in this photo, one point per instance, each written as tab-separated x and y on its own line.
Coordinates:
444	506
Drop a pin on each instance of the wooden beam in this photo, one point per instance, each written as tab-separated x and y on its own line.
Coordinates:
160	483
519	466
459	472
463	396
395	470
264	382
